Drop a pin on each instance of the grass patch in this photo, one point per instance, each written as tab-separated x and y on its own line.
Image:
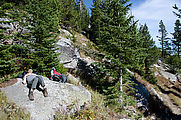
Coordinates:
95	111
98	111
10	111
176	99
3	79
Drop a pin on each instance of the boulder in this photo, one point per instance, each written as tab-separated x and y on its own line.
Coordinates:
65	33
169	76
63	97
72	79
69	54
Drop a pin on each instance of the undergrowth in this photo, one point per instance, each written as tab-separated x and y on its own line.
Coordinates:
98	111
95	111
175	99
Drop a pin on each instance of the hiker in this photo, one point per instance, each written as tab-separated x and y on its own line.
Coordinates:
33	82
57	76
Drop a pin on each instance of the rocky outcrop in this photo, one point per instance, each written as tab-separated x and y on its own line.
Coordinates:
165	96
163	70
69	55
12	27
63	97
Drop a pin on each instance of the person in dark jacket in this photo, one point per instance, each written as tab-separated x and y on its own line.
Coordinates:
34	81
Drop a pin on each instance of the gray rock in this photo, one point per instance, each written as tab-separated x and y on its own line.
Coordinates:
87	60
168	75
11	28
61	97
86	40
69	54
162	70
73	79
65	32
64	42
84	44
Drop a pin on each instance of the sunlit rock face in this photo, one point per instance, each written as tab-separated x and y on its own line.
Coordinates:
62	97
69	55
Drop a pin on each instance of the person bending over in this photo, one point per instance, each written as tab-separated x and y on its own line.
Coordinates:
33	82
57	76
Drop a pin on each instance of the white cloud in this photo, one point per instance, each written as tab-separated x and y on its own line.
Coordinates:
152	11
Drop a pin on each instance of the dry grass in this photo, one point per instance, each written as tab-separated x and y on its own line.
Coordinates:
176	99
162	80
9	110
95	111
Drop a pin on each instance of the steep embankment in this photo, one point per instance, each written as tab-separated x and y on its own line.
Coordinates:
166	95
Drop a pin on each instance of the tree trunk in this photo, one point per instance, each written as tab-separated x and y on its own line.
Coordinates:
178	51
121	84
162	44
121	78
81	1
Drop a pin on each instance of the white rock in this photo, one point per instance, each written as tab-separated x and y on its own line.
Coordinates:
84	44
66	33
168	75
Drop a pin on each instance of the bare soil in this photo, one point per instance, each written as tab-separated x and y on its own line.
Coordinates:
8	83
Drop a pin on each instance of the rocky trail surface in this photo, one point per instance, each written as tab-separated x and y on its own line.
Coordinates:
63	97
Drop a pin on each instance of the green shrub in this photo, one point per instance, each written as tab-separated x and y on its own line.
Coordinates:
150	77
175	63
3	79
7	6
61	69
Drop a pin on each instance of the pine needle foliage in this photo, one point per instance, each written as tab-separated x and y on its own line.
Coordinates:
177	37
43	24
164	40
117	35
151	53
13	54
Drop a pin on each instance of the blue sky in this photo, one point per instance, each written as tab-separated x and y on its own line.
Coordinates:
151	12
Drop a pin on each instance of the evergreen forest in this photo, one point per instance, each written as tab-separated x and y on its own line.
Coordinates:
114	32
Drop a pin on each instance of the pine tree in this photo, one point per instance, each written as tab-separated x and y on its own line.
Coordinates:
5	61
178	13
148	45
70	15
177	37
164	41
85	20
12	56
44	24
150	50
117	37
95	20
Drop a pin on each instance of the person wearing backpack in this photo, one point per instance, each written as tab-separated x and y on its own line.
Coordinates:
33	82
57	76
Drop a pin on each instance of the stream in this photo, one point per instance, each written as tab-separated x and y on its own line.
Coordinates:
151	104
142	96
